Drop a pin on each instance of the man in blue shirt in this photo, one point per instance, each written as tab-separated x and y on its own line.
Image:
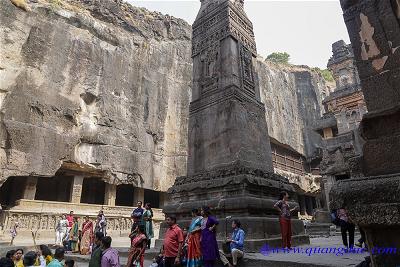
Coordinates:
138	212
236	243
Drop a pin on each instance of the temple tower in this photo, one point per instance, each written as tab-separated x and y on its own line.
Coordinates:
229	161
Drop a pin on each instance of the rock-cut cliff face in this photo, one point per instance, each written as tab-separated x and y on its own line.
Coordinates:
102	87
293	100
96	85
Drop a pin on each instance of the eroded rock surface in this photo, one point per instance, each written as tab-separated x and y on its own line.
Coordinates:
105	86
293	100
98	83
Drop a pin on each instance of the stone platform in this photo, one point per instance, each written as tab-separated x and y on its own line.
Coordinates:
241	193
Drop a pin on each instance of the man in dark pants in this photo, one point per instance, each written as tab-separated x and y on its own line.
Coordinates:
346	226
173	242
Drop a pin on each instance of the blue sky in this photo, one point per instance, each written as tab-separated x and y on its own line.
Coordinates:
304	29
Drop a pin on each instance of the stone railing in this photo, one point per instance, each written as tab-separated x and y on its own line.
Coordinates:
42	217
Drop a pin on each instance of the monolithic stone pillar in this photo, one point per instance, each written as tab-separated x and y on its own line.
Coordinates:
111	194
76	189
30	188
328	182
373	202
229	165
138	195
309	206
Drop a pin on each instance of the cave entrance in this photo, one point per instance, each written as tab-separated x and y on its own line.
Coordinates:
12	190
125	195
93	191
56	188
152	197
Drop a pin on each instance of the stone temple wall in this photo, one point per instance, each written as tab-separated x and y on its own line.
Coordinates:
106	86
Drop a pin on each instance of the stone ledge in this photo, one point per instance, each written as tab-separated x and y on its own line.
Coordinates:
370	200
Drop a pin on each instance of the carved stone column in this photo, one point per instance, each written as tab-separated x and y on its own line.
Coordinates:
30	188
309	205
111	194
328	182
76	189
373	202
302	202
138	196
229	165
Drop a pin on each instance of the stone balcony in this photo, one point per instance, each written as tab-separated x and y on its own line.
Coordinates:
42	216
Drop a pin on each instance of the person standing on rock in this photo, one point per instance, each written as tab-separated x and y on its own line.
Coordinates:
74	236
101	223
61	230
148	223
208	241
87	236
285	219
70	219
173	243
138	212
14	233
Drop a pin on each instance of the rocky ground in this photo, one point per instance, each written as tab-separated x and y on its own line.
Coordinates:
252	259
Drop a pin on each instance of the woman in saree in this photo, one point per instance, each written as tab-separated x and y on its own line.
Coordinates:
87	236
138	247
193	241
74	236
209	245
148	223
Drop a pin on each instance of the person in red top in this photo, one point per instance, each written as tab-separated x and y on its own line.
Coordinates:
70	219
173	242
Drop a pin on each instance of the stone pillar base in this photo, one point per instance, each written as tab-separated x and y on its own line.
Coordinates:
385	245
373	204
245	194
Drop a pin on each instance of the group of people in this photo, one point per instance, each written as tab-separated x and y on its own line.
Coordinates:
102	255
193	246
197	245
42	257
76	239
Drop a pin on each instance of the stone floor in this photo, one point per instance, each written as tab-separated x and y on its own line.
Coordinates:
253	259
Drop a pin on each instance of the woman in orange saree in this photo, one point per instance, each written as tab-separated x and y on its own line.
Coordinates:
87	236
194	258
138	247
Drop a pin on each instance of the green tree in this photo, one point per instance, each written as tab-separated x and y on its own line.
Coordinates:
326	74
279	57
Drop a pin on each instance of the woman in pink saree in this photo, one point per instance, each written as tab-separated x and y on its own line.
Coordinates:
138	247
87	236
